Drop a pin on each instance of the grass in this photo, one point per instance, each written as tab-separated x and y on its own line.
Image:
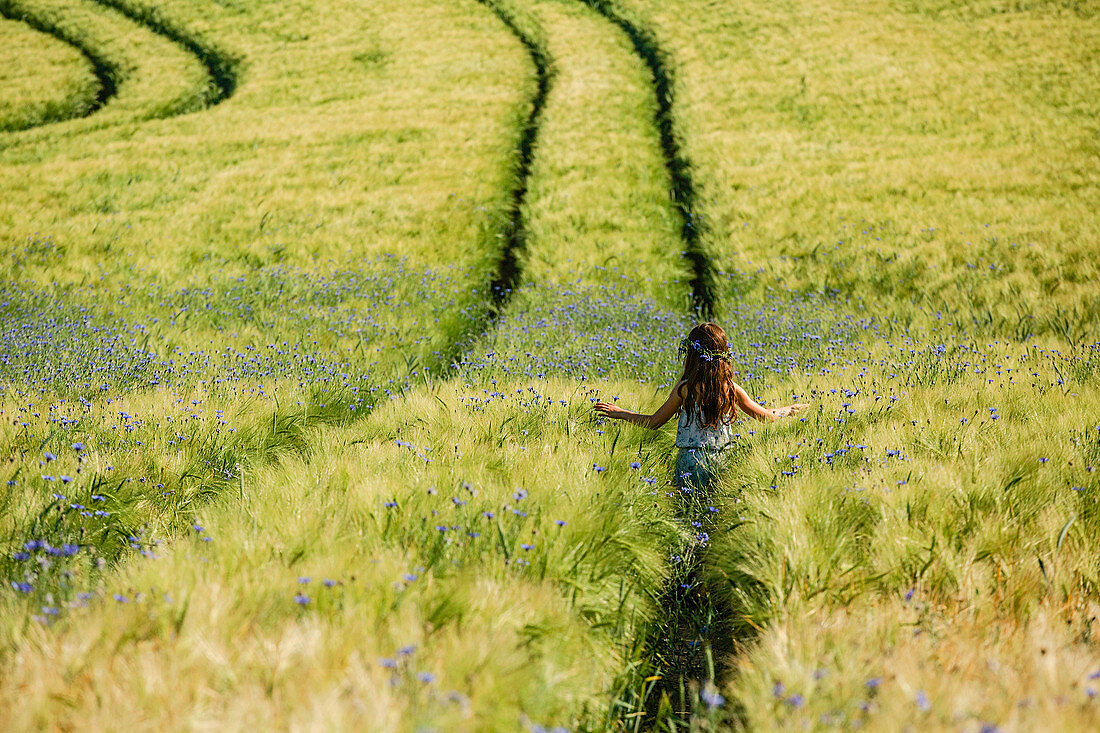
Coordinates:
499	589
598	118
272	456
905	154
144	75
884	544
43	79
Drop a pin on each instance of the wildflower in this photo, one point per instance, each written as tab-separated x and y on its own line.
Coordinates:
635	465
560	522
388	663
304	579
426	677
922	702
712	698
301	599
873	683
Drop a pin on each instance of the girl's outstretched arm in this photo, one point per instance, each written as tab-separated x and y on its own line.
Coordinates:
752	409
664	412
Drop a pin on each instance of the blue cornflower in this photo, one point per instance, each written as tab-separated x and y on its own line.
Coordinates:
712	698
301	599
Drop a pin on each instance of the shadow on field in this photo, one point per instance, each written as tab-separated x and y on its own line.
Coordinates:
689	646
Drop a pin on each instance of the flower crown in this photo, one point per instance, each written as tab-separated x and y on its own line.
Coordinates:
704	353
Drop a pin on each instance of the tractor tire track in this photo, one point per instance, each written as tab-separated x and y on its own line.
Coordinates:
687	648
508	274
222	67
106	73
682	184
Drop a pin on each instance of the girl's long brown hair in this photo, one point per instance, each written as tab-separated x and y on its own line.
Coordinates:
708	374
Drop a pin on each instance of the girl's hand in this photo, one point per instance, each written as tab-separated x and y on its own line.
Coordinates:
790	410
607	409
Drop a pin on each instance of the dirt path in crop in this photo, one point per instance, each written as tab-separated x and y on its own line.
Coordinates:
688	647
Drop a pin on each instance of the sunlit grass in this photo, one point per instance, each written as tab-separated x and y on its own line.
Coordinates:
898	552
151	77
918	156
587	226
41	78
245	480
474	529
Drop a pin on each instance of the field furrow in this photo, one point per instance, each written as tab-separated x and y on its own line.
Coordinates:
297	391
142	75
906	154
135	350
221	66
45	79
681	182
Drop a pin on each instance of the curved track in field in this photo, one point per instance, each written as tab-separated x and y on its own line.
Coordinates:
105	72
508	273
221	67
682	184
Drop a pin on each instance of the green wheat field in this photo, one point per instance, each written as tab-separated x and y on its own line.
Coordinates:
304	306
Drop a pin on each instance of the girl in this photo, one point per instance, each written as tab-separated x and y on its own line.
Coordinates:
707	400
